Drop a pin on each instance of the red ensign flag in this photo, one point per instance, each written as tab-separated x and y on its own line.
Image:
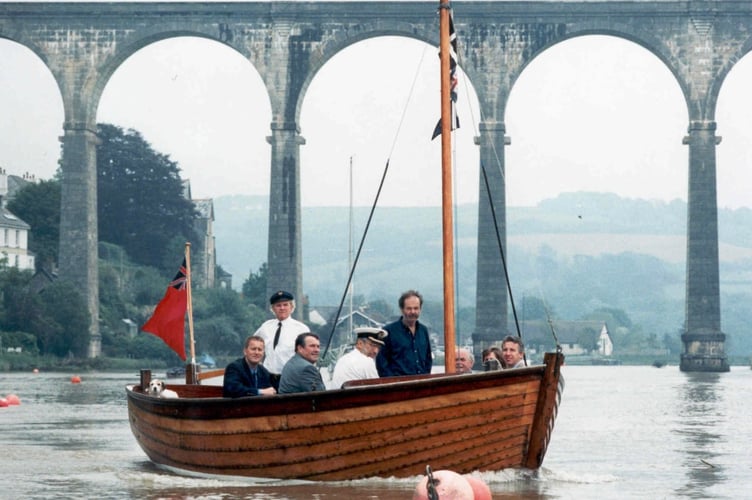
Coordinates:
168	320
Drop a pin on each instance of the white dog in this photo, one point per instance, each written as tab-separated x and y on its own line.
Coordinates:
157	388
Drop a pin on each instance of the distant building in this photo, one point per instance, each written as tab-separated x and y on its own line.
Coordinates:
42	279
575	337
14	233
203	252
224	279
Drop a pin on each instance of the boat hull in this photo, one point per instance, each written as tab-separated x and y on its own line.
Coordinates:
484	421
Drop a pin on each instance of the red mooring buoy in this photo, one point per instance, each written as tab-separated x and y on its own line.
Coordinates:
75	379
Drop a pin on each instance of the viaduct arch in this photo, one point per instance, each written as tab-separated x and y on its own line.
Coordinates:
287	42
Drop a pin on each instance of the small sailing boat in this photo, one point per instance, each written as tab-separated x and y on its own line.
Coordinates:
388	427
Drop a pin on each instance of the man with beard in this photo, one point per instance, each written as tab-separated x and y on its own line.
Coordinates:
407	348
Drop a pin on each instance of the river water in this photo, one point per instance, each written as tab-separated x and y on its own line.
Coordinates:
622	432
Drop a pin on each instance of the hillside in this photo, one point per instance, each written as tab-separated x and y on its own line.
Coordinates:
578	252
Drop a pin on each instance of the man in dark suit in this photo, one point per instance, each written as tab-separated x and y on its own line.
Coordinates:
300	374
247	376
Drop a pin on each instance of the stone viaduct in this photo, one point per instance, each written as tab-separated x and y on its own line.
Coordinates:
82	44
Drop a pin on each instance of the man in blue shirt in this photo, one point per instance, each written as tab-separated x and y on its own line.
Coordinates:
247	376
407	348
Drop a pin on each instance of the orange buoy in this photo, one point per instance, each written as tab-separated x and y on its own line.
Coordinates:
3	402
12	399
75	379
481	490
448	484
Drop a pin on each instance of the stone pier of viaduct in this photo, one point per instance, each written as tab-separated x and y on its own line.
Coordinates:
288	42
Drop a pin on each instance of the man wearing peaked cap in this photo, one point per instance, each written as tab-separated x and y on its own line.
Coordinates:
375	335
281	296
360	363
279	333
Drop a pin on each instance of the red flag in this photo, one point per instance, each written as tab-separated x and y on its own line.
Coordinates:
168	320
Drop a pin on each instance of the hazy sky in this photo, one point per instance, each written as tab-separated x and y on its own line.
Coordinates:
594	113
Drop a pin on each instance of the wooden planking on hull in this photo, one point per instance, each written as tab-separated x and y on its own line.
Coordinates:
400	440
386	427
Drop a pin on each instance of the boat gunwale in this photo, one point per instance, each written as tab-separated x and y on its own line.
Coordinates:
382	391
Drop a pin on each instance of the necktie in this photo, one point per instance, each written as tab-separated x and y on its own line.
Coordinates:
255	379
276	335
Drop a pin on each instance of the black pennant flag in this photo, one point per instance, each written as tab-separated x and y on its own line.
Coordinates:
452	80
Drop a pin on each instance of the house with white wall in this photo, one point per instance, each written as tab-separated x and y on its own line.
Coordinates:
14	233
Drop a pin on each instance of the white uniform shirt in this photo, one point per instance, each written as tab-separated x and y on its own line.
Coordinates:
353	366
276	358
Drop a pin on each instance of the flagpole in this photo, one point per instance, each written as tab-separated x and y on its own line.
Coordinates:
189	310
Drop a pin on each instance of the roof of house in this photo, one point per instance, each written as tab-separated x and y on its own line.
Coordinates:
8	220
15	183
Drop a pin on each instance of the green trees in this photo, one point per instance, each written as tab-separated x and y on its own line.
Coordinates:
140	199
144	221
141	206
57	316
39	206
64	321
222	321
254	288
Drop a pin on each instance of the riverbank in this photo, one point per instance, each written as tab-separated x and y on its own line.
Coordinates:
20	362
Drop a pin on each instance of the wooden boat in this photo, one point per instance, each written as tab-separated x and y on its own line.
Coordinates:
389	427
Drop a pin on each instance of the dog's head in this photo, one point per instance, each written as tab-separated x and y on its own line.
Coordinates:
156	387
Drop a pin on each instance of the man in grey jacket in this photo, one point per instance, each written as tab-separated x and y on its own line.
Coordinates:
300	374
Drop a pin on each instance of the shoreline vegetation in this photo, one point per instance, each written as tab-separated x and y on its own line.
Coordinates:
19	362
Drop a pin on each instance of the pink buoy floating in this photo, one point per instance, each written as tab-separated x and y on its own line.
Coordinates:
447	484
12	399
3	402
481	491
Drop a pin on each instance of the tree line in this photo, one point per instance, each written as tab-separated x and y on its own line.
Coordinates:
144	220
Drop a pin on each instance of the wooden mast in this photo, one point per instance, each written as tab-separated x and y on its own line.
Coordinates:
446	186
